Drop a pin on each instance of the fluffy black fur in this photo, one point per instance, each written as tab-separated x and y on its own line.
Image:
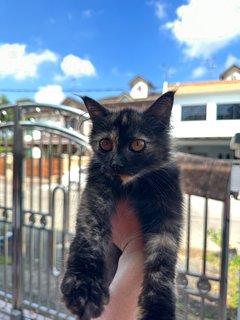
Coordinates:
152	188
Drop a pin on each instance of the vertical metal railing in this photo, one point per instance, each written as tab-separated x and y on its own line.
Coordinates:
203	260
17	263
224	255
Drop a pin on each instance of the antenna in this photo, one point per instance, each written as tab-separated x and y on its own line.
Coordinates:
211	65
167	71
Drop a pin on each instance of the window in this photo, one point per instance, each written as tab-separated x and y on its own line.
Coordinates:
74	124
228	111
192	113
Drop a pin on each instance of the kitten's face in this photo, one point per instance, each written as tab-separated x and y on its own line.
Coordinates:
128	144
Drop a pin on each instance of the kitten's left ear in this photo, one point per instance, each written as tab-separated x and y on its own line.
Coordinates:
162	107
95	109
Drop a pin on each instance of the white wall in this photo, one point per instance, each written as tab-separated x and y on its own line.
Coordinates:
211	128
233	76
143	93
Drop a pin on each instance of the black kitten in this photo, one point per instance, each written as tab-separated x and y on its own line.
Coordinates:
131	162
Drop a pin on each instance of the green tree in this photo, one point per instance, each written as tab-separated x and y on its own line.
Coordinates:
5	115
3	100
24	100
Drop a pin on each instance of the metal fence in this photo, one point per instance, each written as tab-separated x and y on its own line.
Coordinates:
42	170
203	258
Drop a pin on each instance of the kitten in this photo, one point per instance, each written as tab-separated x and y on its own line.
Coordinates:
131	162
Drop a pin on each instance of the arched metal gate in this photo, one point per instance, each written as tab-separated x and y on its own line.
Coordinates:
42	160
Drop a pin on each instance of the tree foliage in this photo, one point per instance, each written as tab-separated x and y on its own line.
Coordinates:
5	115
24	100
3	100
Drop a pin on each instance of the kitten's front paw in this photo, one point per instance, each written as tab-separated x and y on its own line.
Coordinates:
84	296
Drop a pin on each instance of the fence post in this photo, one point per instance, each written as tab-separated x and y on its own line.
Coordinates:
17	271
224	255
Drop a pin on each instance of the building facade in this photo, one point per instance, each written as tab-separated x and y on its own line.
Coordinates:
206	116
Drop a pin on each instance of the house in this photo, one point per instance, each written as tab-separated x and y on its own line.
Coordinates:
205	116
232	73
48	143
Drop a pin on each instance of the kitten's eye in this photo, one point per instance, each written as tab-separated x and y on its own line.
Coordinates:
137	145
106	144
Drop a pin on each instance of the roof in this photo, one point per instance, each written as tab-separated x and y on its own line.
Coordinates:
71	102
229	71
139	105
115	103
116	98
120	99
139	78
205	87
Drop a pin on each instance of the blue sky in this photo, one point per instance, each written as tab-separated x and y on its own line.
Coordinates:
52	47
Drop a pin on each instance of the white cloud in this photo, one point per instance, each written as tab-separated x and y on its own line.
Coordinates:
90	13
167	71
87	13
52	94
117	73
73	66
231	60
160	10
59	78
16	62
199	72
205	26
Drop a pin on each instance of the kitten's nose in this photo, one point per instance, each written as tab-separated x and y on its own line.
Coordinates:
117	165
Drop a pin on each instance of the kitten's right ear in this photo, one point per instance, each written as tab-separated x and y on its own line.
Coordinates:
95	109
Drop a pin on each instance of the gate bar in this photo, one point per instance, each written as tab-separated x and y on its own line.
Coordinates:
17	279
224	255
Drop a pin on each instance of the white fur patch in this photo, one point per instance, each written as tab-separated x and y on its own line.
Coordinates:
126	179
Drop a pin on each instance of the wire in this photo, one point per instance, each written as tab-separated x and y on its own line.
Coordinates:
76	90
68	90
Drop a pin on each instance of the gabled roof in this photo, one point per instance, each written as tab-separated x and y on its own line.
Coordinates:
140	105
114	99
137	79
120	99
229	71
71	102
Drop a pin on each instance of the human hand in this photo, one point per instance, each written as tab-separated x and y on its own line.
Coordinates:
126	285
